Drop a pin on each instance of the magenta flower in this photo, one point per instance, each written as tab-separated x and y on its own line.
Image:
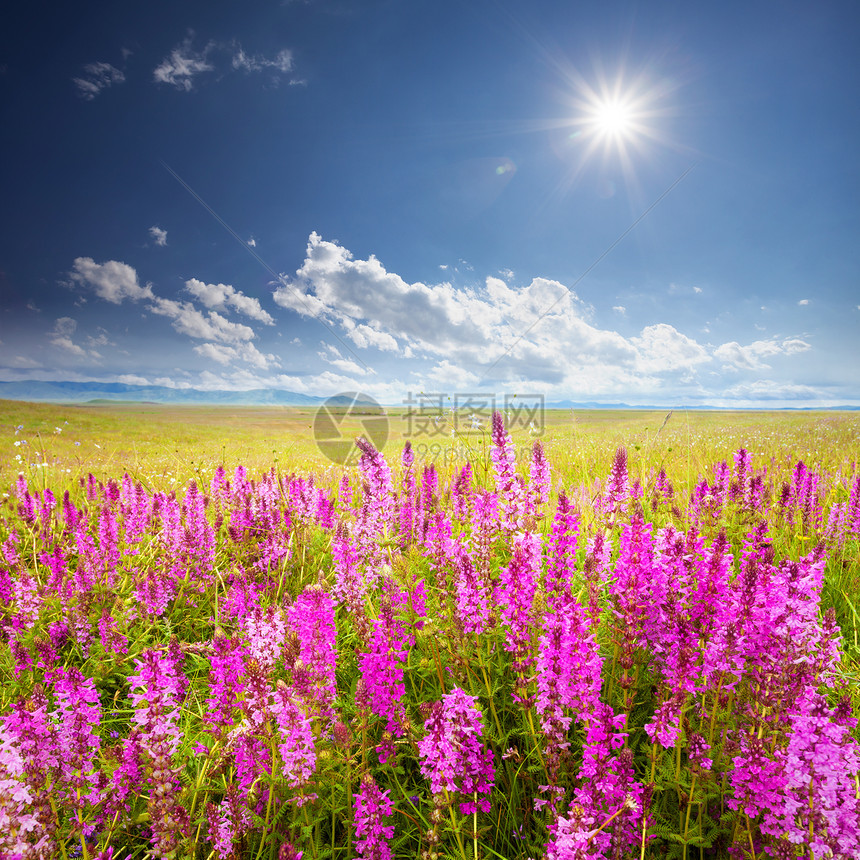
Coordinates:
510	486
158	690
372	806
311	618
540	476
617	492
298	753
568	669
227	821
225	682
377	510
381	664
473	611
461	492
561	548
515	594
452	755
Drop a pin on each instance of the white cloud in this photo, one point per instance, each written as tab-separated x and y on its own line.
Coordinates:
252	242
767	389
283	61
620	309
23	361
186	319
112	281
501	334
750	357
365	335
159	235
661	347
217	352
539	331
446	376
224	296
803	302
183	64
97	76
332	355
61	337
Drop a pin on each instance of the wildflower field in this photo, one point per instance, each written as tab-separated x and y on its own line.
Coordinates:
620	640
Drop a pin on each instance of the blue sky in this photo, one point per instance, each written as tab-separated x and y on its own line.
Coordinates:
429	196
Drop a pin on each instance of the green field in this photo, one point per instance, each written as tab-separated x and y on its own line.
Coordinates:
225	643
164	445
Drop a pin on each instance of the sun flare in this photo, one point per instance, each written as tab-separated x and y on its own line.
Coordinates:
613	119
616	115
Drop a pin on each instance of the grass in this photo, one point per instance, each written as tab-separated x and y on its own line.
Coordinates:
238	593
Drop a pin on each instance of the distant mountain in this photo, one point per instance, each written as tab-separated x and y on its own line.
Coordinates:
108	392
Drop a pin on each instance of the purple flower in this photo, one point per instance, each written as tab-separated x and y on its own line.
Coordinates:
617	486
228	664
381	664
568	669
371	808
515	593
540	475
311	618
510	486
298	754
227	822
158	689
473	611
452	755
461	492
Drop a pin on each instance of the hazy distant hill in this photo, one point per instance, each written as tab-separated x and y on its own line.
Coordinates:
82	392
105	392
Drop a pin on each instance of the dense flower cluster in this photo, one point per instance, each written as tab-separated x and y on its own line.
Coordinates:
452	755
596	672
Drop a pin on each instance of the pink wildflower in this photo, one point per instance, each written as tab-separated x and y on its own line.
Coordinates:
452	756
371	808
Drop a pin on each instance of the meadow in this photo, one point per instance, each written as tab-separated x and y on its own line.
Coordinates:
616	634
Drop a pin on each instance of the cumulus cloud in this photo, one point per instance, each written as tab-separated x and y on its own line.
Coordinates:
332	355
662	348
365	335
187	319
446	376
112	281
538	332
226	340
182	65
159	235
225	296
61	336
770	390
751	357
498	333
803	302
97	77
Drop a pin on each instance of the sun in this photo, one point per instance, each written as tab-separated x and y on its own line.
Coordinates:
613	119
615	115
